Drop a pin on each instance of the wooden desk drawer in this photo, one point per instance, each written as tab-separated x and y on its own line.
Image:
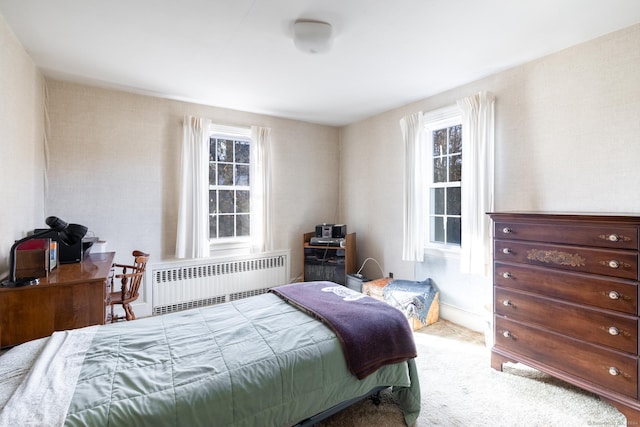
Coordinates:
596	326
608	262
597	291
607	368
605	236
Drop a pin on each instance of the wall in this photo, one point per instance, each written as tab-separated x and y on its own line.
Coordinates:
115	159
21	136
566	140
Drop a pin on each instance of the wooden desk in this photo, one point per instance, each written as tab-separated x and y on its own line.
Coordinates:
73	296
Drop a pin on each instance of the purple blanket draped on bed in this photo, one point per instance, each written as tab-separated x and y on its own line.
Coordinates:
372	333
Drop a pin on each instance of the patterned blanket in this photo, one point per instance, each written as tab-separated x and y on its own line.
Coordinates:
411	297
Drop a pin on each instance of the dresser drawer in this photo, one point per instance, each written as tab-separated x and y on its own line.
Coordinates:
597	291
608	262
606	236
607	368
596	326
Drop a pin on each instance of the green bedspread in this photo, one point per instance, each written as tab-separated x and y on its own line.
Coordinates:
252	362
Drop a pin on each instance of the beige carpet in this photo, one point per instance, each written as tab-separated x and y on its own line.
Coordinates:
459	388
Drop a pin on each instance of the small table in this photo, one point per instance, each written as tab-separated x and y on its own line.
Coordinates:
72	296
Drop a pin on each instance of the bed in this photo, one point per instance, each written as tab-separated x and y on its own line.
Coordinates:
263	360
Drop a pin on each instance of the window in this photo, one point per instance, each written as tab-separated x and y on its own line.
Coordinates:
225	187
444	137
439	212
229	185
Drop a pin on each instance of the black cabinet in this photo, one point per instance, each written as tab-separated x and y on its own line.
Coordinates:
331	263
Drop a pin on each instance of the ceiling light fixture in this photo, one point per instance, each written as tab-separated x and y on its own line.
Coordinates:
312	36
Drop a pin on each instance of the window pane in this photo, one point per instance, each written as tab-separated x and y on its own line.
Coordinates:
455	168
455	139
453	231
437	229
213	226
454	201
225	204
224	150
242	202
225	174
229	182
445	194
440	170
437	201
242	152
242	175
212	149
212	201
226	228
440	142
212	173
242	225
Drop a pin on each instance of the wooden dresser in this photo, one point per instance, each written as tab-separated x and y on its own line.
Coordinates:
566	300
71	297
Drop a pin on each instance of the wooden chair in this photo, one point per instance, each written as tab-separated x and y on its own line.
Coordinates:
130	280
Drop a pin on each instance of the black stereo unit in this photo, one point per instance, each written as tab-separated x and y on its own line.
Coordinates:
335	231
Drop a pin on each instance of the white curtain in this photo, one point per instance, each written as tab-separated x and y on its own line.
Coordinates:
261	215
415	206
477	182
193	219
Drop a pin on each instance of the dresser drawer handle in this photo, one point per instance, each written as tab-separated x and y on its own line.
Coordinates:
506	334
506	275
614	331
507	230
614	263
614	371
614	237
507	303
614	295
506	251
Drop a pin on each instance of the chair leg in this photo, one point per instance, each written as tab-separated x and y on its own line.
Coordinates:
113	317
129	312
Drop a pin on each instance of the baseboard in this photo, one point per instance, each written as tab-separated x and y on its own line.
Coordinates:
475	322
142	309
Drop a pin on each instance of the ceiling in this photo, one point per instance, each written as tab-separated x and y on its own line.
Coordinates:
239	54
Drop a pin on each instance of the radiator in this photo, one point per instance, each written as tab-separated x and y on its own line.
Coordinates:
180	285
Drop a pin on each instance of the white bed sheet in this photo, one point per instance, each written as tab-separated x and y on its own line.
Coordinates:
38	388
14	365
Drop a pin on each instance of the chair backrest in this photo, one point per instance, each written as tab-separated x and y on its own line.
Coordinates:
132	276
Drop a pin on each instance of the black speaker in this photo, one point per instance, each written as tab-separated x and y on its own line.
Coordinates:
339	231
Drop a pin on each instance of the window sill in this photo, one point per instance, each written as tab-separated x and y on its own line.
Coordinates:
229	248
442	251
